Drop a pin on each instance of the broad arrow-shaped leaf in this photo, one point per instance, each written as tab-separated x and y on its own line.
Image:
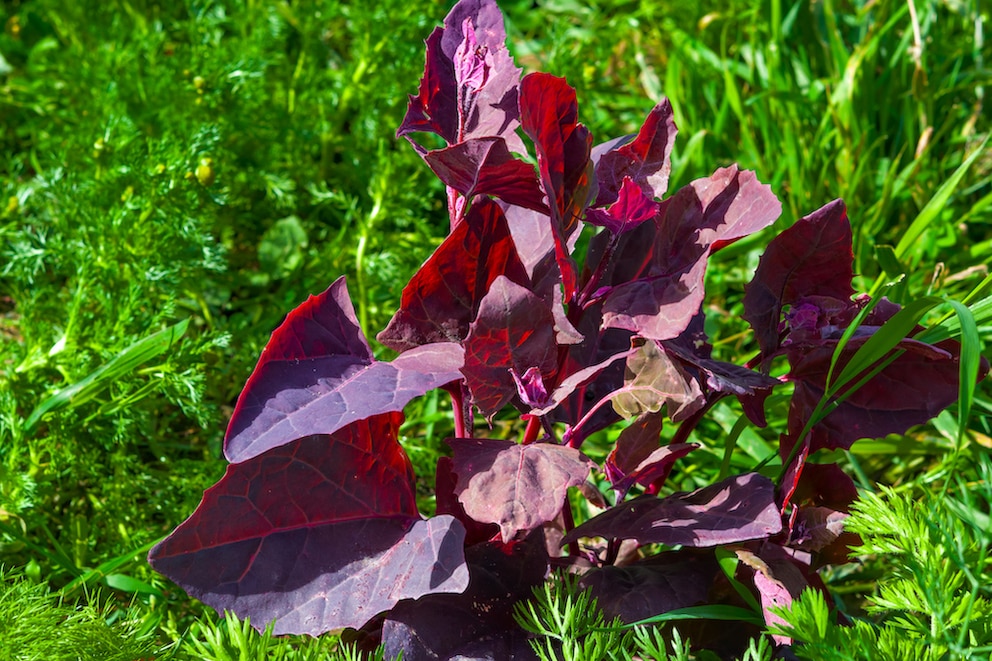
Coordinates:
478	624
646	160
317	375
317	534
443	297
519	487
917	386
514	330
813	257
657	288
738	509
653	380
470	85
638	456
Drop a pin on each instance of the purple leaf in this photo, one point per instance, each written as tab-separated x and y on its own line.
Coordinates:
750	387
778	581
631	208
576	381
646	160
470	85
519	487
813	257
435	108
653	380
297	398
317	375
737	509
484	166
659	287
638	457
477	624
601	350
443	297
448	503
513	330
549	116
917	386
659	584
318	534
816	528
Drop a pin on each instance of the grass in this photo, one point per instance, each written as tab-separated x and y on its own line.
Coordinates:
175	177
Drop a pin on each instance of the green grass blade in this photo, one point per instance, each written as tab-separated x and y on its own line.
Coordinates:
713	612
971	356
728	563
123	363
936	204
885	339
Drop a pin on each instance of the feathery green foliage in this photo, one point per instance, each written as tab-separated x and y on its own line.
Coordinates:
934	600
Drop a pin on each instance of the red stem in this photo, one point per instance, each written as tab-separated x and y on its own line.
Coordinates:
566	515
457	401
533	430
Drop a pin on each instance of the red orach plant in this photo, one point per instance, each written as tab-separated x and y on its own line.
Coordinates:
315	523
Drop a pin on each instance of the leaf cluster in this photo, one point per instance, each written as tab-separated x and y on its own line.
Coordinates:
570	290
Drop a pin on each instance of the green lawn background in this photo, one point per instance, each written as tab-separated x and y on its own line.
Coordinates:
175	177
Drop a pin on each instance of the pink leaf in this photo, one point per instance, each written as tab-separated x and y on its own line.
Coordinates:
646	160
631	208
738	509
518	487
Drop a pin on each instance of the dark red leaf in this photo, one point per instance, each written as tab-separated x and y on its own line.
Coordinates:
598	349
470	84
443	297
317	534
825	485
737	509
656	585
658	288
317	375
811	258
917	386
577	381
638	457
484	166
518	487
750	387
549	116
816	528
447	503
631	208
646	160
478	624
513	330
434	109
